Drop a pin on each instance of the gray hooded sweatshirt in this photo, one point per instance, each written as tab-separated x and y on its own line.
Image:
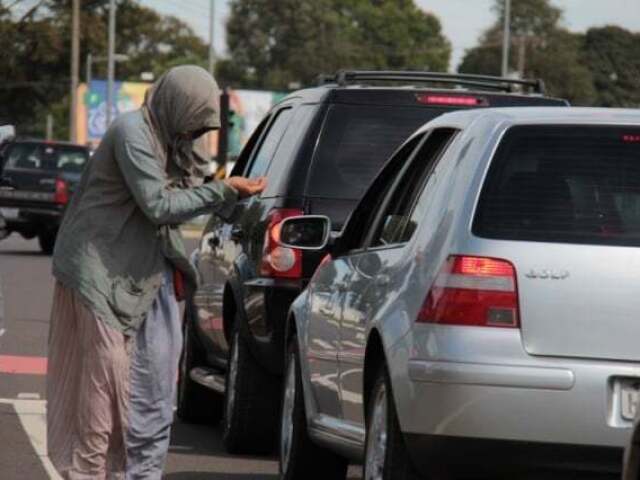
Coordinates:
119	233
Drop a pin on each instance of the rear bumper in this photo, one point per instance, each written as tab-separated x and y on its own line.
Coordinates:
34	218
442	456
468	384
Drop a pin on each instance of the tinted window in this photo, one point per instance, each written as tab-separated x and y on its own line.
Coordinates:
289	146
355	142
269	144
37	156
396	224
574	184
364	214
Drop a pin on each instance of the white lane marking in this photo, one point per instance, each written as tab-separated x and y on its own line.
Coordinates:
33	416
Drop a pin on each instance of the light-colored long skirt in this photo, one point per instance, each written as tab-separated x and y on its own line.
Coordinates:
109	397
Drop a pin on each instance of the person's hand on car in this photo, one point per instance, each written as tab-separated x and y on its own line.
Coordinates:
247	187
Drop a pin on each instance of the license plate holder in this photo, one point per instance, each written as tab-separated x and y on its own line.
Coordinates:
629	389
9	213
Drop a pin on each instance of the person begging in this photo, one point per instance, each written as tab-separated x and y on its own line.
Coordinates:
115	330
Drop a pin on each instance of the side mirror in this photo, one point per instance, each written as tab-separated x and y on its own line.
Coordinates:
7	133
307	232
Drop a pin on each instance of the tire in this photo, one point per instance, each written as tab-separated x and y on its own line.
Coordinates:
47	241
196	403
251	402
299	457
390	460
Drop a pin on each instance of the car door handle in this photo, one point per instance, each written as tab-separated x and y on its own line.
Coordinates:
382	280
237	233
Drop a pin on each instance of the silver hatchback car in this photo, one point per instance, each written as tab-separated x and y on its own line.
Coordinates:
480	312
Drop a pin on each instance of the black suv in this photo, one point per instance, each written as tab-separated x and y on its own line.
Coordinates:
36	181
319	148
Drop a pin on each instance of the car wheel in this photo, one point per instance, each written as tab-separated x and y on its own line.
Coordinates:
386	456
196	403
251	402
47	241
299	457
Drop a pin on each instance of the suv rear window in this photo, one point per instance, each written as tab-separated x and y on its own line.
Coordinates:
570	184
355	142
44	157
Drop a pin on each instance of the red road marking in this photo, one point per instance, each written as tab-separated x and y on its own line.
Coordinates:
24	365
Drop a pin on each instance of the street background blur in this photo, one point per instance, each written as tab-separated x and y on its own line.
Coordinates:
584	50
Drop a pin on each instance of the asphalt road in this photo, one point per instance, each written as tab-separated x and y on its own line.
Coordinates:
196	451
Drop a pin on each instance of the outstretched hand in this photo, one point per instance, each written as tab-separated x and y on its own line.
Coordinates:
247	187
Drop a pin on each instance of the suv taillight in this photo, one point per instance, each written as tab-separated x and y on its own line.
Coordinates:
279	261
61	196
473	291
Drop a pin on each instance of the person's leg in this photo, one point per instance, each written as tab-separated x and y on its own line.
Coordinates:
88	375
154	367
63	372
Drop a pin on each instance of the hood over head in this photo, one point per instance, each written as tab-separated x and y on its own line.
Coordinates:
185	100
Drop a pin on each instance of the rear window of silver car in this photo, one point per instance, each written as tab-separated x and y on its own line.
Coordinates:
569	184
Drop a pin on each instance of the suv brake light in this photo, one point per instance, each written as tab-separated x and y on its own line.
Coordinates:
61	196
279	261
452	100
473	291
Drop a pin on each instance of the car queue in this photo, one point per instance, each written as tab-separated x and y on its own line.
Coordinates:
437	313
438	282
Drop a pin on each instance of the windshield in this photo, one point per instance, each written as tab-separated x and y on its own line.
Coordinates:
44	157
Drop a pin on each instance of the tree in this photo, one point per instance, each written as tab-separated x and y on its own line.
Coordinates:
276	44
612	55
540	49
35	55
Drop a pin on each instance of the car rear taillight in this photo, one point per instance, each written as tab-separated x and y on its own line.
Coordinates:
473	291
279	261
61	196
451	100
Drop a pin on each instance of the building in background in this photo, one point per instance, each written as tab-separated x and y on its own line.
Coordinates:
248	108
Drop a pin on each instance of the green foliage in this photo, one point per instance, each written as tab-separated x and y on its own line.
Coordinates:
529	17
276	44
612	55
600	67
35	57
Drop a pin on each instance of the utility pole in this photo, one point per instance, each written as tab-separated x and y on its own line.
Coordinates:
506	37
111	58
49	131
212	52
75	67
89	67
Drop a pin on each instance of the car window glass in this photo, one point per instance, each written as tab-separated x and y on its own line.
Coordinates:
355	142
363	215
289	146
240	163
270	142
396	224
35	156
564	183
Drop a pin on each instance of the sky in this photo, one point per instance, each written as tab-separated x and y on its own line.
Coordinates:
463	21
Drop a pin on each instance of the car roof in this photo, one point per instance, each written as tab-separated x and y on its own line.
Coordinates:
324	92
536	115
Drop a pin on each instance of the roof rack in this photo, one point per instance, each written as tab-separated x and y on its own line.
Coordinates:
346	77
